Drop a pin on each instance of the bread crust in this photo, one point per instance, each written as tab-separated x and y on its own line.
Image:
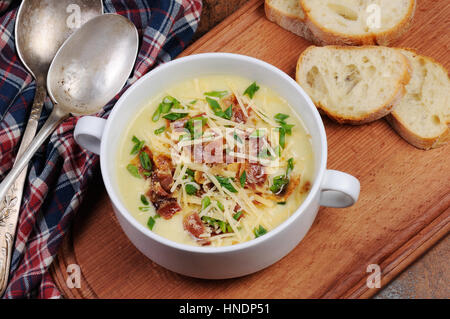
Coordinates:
401	128
415	140
381	111
289	22
324	36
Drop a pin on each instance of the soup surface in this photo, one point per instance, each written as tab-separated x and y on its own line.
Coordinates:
215	161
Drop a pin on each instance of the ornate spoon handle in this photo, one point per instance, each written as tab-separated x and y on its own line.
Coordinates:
10	204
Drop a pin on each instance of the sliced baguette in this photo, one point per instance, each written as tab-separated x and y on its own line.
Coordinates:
353	85
423	115
289	15
357	22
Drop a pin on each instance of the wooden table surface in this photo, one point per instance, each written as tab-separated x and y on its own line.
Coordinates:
429	276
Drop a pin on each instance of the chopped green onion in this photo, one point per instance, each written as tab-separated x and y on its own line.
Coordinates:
220	205
281	117
214	105
228	113
251	90
133	170
166	107
223	226
144	200
259	231
191	189
190	172
135	140
169	102
174	116
225	183
243	178
160	130
287	127
151	223
170	99
238	215
281	203
218	94
137	147
206	201
282	132
138	144
144	209
279	183
145	161
157	113
237	138
290	166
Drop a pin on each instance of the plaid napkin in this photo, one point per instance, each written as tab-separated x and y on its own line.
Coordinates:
61	171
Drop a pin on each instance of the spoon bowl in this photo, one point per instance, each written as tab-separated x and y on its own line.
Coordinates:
42	27
93	66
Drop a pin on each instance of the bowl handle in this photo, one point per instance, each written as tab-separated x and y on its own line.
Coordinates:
88	133
339	189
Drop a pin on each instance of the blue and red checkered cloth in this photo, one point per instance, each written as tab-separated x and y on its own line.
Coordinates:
60	172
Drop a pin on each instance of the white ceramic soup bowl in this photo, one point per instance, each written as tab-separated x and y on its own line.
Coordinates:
329	187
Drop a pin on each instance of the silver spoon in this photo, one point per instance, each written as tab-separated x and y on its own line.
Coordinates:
41	28
87	72
89	69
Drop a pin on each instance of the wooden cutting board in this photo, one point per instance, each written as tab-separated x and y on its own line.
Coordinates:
402	211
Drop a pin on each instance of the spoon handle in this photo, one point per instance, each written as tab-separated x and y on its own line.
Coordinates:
10	183
10	205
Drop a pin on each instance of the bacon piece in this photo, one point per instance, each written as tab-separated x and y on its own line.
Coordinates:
163	163
238	115
156	190
159	194
213	152
178	125
255	174
194	225
167	207
166	180
230	101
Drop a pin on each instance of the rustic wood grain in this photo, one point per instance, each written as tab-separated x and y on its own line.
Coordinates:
215	11
402	211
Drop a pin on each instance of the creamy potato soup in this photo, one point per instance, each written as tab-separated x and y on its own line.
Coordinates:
215	161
